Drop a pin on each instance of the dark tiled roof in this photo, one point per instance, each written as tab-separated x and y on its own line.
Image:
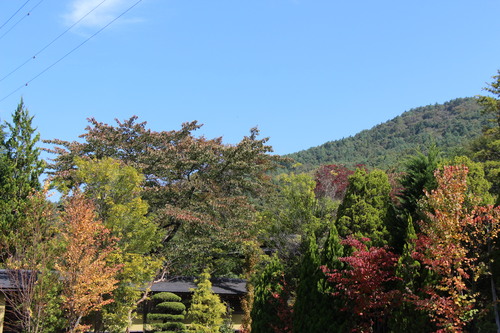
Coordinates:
220	286
14	279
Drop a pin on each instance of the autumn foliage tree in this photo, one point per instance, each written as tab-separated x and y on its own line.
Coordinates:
332	180
88	279
194	186
366	285
451	245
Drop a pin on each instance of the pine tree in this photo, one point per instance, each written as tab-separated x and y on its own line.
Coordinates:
168	313
206	311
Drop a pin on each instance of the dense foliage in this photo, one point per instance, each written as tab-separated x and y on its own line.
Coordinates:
450	126
346	248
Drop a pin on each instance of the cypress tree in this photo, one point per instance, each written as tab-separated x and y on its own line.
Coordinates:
365	207
206	312
265	307
20	168
308	299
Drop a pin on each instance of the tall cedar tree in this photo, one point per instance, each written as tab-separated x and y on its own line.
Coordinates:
20	168
364	211
199	189
309	296
88	278
452	245
269	285
206	311
330	318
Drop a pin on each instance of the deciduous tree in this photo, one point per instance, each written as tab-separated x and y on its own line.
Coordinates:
88	278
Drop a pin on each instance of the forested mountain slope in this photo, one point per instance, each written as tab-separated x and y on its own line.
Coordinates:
449	125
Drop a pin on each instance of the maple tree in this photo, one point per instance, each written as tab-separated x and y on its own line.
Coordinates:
115	190
332	180
366	284
450	245
88	278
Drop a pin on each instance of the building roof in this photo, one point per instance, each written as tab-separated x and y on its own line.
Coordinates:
220	286
14	279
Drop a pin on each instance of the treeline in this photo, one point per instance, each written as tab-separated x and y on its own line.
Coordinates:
365	250
449	126
341	249
137	206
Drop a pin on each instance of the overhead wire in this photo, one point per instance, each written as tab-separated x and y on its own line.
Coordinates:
51	42
17	11
71	51
22	18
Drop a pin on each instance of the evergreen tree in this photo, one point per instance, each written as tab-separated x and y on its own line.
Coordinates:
365	207
206	311
330	318
418	176
20	168
412	277
168	313
268	285
308	295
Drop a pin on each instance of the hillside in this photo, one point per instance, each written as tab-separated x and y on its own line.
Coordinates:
449	125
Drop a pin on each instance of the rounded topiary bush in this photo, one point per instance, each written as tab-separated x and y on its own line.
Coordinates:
167	314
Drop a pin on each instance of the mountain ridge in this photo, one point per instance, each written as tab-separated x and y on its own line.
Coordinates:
449	125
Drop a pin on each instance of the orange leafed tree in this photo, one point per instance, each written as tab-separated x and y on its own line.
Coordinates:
452	245
87	275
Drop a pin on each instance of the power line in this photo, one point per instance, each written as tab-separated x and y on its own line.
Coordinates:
72	50
22	18
17	11
51	42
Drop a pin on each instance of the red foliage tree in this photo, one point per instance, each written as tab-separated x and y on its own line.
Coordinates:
367	284
332	181
451	245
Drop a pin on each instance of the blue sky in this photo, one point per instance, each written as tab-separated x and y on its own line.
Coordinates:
303	71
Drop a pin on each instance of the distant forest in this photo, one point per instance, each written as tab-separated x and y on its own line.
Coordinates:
450	126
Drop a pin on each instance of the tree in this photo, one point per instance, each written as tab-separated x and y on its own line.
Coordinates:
269	285
487	148
87	277
332	181
20	168
309	296
194	186
451	245
418	176
30	266
115	189
366	285
206	311
168	313
365	208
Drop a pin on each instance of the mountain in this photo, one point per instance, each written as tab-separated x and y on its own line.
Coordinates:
450	126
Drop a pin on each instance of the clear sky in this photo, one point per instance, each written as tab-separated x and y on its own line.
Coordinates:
303	71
